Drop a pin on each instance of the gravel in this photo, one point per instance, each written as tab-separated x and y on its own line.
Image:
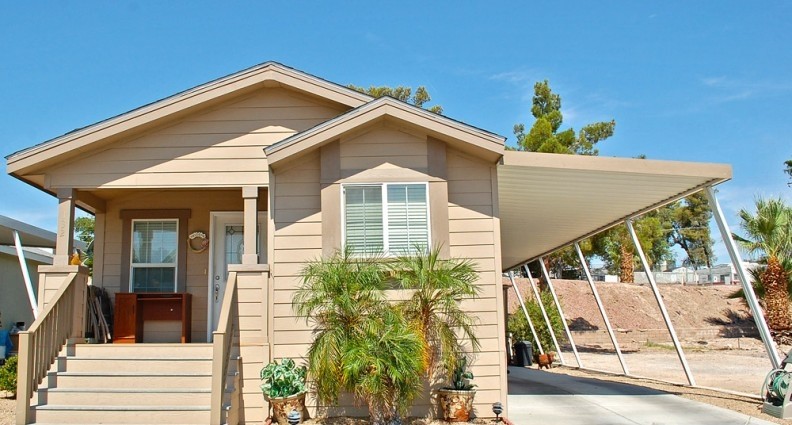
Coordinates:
6	409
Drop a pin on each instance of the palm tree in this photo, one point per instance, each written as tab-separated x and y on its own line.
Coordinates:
438	285
769	234
362	344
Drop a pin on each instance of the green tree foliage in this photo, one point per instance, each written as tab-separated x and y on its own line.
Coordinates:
84	228
362	344
616	248
788	169
517	324
544	135
437	285
688	221
8	375
768	234
403	93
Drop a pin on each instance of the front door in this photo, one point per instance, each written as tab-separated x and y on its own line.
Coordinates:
227	247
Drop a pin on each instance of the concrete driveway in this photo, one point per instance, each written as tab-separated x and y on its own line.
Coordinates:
537	397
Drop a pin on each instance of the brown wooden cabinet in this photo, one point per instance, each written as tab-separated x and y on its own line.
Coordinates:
132	310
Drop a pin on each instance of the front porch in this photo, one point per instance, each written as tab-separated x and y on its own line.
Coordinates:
226	279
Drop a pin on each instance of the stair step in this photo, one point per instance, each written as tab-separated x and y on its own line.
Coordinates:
159	351
111	396
63	414
134	380
132	364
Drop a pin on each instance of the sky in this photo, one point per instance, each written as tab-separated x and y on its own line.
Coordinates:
690	81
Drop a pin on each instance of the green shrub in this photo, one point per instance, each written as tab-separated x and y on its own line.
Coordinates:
460	377
518	325
282	379
8	375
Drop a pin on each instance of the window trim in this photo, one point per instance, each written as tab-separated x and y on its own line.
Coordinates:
174	264
385	231
127	216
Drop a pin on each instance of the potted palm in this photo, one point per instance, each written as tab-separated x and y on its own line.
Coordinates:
456	400
283	386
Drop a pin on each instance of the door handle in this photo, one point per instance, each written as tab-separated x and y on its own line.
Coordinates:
216	291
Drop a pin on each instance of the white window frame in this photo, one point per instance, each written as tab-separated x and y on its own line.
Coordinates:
385	233
133	265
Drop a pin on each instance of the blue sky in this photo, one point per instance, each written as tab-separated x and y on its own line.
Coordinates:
694	81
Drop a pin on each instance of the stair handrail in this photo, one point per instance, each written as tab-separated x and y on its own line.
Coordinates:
227	331
41	343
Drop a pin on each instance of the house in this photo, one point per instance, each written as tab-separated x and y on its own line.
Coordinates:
217	197
21	243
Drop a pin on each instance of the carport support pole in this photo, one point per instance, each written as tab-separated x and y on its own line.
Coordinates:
661	304
750	295
525	311
560	312
544	313
25	274
601	308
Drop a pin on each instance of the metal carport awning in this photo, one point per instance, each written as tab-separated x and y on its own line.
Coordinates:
549	201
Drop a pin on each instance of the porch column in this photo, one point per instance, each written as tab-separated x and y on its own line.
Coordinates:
250	196
64	242
560	312
601	308
661	304
750	295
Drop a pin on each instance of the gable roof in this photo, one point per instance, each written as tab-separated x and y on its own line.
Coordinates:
489	145
74	142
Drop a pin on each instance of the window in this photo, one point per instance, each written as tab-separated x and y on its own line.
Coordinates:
386	218
154	255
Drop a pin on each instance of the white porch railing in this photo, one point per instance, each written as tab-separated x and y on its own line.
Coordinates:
40	344
223	353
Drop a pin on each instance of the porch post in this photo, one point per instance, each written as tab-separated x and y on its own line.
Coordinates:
25	274
525	312
601	308
659	299
64	242
250	196
750	295
544	313
560	312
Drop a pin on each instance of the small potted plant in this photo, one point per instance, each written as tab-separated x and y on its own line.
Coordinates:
456	401
283	386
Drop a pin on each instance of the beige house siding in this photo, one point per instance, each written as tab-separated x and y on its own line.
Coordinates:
221	147
307	221
197	264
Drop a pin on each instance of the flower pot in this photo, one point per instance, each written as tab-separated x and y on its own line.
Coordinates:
455	405
282	406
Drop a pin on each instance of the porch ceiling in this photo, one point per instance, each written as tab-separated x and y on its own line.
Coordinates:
549	201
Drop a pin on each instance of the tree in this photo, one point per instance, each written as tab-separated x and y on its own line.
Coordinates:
544	135
403	93
688	221
768	233
84	228
437	285
362	344
788	169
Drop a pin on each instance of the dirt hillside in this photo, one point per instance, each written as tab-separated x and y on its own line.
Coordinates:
633	307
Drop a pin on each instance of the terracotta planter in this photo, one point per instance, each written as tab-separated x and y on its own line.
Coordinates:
455	405
281	407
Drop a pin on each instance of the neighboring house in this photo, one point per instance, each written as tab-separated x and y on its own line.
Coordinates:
277	167
15	299
721	274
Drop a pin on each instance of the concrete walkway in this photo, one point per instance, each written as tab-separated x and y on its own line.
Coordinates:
538	397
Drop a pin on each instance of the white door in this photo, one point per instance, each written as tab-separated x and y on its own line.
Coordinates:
227	247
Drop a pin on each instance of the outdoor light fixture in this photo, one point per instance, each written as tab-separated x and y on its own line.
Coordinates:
293	417
497	409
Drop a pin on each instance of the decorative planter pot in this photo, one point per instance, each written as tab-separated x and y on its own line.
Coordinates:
455	405
282	406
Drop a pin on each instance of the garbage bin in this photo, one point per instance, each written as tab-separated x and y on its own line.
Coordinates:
523	353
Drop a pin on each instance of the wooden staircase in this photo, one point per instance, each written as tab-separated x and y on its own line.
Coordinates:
127	384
